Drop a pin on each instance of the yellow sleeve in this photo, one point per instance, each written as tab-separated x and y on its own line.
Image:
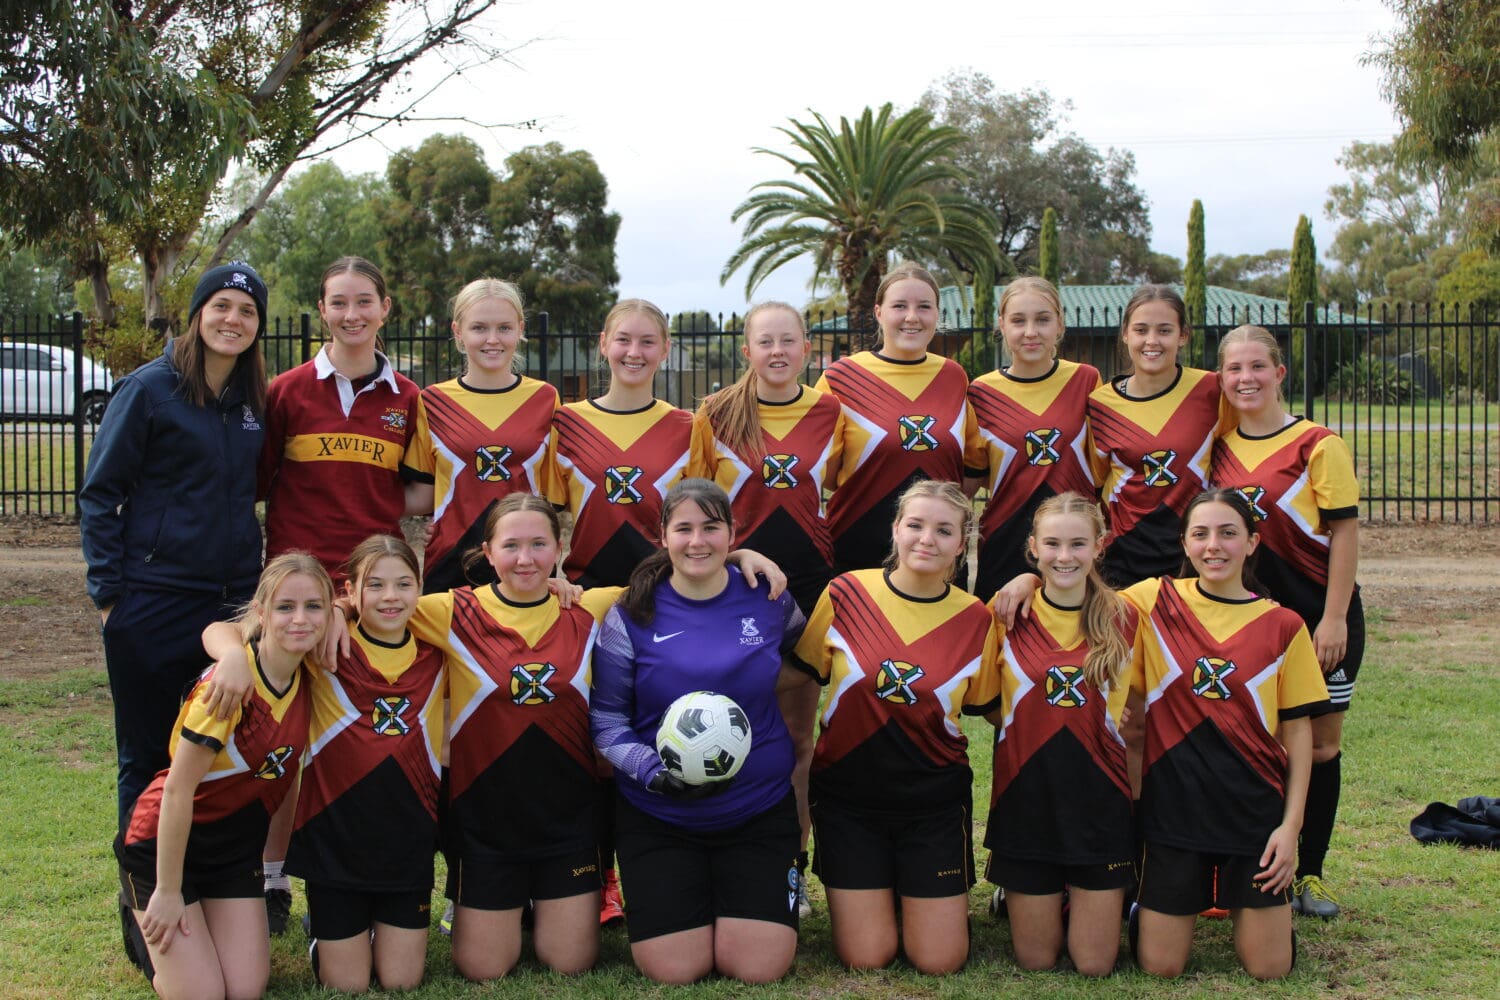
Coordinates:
983	692
432	622
812	649
973	443
1299	682
822	384
703	457
1330	469
199	725
598	600
1142	597
554	477
419	450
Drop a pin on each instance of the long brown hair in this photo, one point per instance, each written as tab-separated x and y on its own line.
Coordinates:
1104	614
639	599
513	503
370	551
1240	504
288	564
902	271
365	269
1154	293
248	373
734	412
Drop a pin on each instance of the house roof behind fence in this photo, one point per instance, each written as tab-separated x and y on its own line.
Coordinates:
1101	305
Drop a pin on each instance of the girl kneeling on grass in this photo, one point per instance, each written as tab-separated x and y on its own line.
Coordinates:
904	652
190	852
1060	810
1230	681
376	733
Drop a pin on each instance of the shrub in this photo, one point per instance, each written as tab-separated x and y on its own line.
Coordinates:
1373	380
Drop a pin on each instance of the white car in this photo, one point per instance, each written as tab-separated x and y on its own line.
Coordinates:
36	383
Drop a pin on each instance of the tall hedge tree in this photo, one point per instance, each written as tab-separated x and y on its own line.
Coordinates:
1302	289
1048	258
863	193
1195	279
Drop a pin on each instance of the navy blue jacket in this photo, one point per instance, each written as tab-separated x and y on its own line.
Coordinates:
168	501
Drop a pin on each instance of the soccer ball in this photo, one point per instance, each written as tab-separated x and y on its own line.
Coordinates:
703	737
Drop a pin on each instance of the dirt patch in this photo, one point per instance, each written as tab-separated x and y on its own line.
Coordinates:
1429	581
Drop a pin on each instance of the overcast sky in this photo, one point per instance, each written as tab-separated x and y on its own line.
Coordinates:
1244	105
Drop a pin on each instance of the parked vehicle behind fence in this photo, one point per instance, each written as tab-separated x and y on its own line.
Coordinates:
36	383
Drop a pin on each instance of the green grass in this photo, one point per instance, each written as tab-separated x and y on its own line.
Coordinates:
1420	413
37	459
1419	921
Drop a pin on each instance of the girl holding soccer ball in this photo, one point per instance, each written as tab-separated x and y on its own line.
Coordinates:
905	652
709	871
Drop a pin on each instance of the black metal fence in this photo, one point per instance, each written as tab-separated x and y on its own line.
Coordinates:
1415	392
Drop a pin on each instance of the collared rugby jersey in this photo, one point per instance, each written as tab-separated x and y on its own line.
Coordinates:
1060	791
1219	677
611	471
899	671
1297	481
903	422
776	495
521	766
257	752
478	445
1151	458
1033	443
367	812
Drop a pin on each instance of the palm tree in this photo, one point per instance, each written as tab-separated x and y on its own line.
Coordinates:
864	193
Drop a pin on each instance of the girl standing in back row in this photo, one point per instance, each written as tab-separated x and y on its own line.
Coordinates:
1299	479
1033	436
481	436
1153	431
907	418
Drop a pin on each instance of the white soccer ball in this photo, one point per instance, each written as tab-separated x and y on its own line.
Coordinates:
703	737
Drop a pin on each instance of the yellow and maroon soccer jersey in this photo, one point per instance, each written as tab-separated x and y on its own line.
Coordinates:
478	445
1033	443
900	670
903	421
1060	792
367	812
257	752
331	465
521	765
611	470
1297	480
1219	678
1151	457
777	493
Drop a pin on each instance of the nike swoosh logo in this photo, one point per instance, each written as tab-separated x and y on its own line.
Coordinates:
664	638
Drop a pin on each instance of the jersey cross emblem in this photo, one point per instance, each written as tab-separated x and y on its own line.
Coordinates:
489	463
916	432
619	484
1158	471
1063	689
528	683
1041	446
776	471
275	763
894	680
386	719
1209	676
1255	494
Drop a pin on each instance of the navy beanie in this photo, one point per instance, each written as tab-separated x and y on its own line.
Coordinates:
237	275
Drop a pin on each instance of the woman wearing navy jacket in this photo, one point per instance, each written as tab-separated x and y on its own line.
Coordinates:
167	511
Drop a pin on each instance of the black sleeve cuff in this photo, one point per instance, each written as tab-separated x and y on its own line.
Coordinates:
1339	513
201	740
1312	708
984	709
975	473
807	668
410	475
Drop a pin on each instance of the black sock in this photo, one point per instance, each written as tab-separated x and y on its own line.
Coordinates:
1317	819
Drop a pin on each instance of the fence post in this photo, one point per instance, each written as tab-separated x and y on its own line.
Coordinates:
1309	315
542	323
78	414
306	338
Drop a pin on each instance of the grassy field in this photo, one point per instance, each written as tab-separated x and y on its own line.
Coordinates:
1419	921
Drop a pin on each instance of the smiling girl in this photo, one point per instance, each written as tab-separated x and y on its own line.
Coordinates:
1299	477
908	417
903	653
190	851
1153	430
1033	429
1230	681
339	426
479	437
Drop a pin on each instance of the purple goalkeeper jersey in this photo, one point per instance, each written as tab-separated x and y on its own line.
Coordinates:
733	644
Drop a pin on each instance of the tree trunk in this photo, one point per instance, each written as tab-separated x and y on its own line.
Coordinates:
96	270
158	258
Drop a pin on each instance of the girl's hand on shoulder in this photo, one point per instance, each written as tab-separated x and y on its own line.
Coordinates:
1331	642
1014	599
336	642
164	917
1278	862
230	685
566	592
753	566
